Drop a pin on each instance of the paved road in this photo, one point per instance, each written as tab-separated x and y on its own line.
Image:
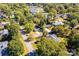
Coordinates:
30	48
3	48
28	44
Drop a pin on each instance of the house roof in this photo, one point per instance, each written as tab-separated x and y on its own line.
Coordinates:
35	34
58	23
59	19
55	38
46	29
48	25
34	9
3	32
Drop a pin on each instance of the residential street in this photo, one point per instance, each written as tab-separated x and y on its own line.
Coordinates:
28	44
3	48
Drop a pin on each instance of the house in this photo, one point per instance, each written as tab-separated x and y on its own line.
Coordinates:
58	21
4	32
48	25
64	16
58	15
21	27
35	9
46	29
54	37
35	34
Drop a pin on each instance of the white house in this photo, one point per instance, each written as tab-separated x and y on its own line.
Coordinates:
46	29
3	32
35	9
58	21
54	37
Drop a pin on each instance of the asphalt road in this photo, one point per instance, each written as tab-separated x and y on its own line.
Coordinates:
28	44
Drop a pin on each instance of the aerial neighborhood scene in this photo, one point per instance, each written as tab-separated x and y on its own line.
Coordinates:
39	29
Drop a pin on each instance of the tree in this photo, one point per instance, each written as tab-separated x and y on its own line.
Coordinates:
45	33
76	16
20	16
52	12
61	9
5	8
75	40
26	11
46	8
61	31
15	45
36	20
15	48
48	47
74	22
0	38
42	25
29	26
13	29
74	43
40	17
4	37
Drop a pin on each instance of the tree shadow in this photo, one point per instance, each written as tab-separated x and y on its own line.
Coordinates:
4	52
32	53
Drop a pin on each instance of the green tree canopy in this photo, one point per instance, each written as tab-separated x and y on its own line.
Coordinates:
15	48
48	47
